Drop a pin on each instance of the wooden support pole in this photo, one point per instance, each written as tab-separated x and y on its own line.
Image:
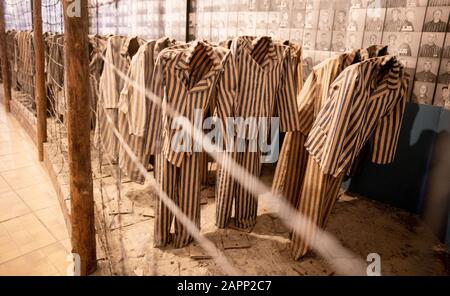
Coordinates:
4	59
76	60
39	79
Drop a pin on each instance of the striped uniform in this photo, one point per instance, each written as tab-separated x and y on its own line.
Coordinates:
118	54
10	40
24	62
296	63
97	46
291	166
186	77
132	106
438	2
366	102
431	51
432	26
266	87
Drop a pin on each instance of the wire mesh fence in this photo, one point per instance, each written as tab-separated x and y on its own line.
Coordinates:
19	23
124	211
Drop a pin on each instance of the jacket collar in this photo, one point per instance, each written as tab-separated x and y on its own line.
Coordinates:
392	78
186	55
126	47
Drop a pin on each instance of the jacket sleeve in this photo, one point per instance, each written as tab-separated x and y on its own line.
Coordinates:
108	89
155	103
225	97
385	138
286	98
305	104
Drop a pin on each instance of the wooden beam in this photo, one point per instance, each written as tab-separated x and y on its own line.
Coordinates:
4	59
76	69
39	79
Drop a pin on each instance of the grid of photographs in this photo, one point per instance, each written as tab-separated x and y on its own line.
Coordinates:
414	30
149	19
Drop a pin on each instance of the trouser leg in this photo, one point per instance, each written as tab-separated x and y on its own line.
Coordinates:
318	196
204	169
246	203
105	134
225	187
167	174
188	198
309	205
291	167
330	198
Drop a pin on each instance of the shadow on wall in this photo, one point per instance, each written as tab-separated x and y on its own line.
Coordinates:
402	183
437	198
419	178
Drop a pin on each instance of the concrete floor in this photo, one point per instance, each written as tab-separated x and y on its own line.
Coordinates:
33	235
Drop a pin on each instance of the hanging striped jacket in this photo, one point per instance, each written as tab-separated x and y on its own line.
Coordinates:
188	77
357	111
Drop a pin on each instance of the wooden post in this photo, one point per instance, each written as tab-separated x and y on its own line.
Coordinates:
4	59
39	79
76	60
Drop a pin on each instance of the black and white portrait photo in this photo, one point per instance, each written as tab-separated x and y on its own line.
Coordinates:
444	74
423	92
323	40
427	69
356	19
431	45
338	43
340	20
309	37
372	38
298	19
436	20
325	20
375	20
442	97
394	22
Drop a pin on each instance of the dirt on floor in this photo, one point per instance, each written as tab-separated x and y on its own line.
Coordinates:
125	217
405	245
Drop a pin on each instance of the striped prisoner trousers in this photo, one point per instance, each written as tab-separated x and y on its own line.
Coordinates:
137	145
104	131
182	185
291	167
319	194
228	190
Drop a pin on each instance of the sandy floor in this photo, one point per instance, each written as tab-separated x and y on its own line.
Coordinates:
125	241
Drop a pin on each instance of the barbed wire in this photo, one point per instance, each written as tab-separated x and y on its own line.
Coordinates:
323	242
340	259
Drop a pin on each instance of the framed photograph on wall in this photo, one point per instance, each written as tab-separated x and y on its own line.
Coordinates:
423	92
311	19
340	20
436	19
325	20
338	43
354	40
431	44
323	41
356	19
372	38
442	96
309	37
375	19
296	35
427	69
